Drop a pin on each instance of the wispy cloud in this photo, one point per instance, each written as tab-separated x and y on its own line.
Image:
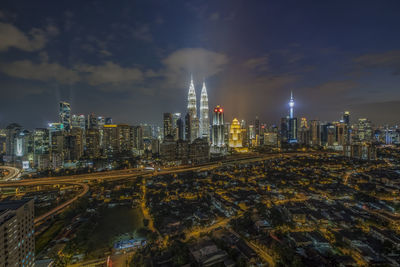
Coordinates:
35	39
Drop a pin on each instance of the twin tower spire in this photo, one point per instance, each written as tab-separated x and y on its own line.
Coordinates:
200	128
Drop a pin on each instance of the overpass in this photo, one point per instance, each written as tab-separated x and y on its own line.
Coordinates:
83	179
13	173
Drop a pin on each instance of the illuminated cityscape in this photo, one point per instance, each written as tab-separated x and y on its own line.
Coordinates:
290	156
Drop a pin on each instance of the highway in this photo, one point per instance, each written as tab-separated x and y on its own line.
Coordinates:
13	173
83	179
40	219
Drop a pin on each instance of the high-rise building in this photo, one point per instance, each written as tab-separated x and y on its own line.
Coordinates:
17	236
110	138
180	132
188	127
271	139
3	138
108	120
78	121
341	133
41	148
124	137
346	117
364	130
192	111
292	138
218	139
92	149
137	137
167	119
235	134
204	119
315	133
175	127
74	144
256	127
65	115
304	133
284	129
12	133
92	121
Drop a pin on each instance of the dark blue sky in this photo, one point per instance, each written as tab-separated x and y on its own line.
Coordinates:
132	60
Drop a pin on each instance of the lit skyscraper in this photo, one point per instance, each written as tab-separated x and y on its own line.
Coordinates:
192	106
78	121
167	124
235	134
291	105
176	119
65	115
192	111
292	122
204	119
218	127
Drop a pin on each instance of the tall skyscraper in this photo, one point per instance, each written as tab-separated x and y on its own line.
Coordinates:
192	111
175	127
346	117
292	138
218	127
235	134
256	127
167	122
188	126
17	237
65	114
78	121
180	129
204	119
12	132
364	130
315	133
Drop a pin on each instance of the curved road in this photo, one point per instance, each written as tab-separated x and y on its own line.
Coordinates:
83	179
40	219
13	173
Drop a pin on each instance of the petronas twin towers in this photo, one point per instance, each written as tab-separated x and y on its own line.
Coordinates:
198	128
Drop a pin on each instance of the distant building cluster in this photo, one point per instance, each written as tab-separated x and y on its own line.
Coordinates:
78	140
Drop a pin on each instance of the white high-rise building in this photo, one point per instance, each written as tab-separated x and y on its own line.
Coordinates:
192	111
192	105
204	119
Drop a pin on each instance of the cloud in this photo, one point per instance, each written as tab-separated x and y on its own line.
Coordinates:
258	63
331	92
143	33
200	62
44	71
109	73
385	60
11	36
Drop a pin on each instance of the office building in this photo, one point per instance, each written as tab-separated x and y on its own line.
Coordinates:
204	114
65	115
168	125
218	139
292	129
235	135
192	111
78	121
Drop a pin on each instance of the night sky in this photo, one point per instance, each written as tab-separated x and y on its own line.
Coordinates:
132	60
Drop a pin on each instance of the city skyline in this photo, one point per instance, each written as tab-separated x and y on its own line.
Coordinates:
58	54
